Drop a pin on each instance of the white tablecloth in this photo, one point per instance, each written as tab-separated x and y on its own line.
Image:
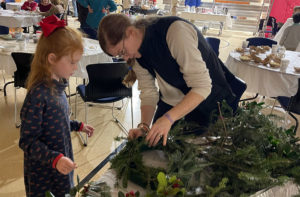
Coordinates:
226	19
265	80
9	18
279	34
14	6
92	54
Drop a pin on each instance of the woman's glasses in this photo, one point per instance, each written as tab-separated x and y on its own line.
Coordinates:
121	53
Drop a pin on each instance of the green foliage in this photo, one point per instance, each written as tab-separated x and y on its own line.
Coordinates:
129	165
169	186
252	152
214	191
249	153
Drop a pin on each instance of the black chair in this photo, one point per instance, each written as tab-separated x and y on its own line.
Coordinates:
291	105
105	86
4	30
257	41
23	62
214	43
237	85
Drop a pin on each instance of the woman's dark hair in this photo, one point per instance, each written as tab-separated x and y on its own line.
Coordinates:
112	30
296	18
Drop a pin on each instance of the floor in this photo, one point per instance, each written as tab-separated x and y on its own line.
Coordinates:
100	145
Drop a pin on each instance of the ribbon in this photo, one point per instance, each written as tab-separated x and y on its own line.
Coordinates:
51	23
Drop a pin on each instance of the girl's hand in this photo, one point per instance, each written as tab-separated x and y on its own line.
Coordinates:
65	165
135	133
160	129
89	130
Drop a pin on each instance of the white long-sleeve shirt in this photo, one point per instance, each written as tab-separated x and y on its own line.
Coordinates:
182	41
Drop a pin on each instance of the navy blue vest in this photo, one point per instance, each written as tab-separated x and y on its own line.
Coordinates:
157	56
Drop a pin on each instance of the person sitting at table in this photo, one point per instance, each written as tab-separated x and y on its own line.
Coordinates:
172	53
55	9
29	5
97	10
291	35
44	5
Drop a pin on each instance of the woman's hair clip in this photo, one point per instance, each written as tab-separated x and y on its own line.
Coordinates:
51	23
130	68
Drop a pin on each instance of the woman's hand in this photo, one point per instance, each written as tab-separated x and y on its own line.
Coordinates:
89	130
159	129
65	165
135	133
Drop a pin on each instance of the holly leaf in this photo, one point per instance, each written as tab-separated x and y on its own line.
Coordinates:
172	179
161	178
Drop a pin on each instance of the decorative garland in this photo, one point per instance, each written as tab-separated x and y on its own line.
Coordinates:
250	153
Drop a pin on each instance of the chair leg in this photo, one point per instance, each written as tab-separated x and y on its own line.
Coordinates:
297	124
247	99
4	89
124	130
16	110
84	141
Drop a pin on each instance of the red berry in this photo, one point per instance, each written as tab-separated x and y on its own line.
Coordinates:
175	185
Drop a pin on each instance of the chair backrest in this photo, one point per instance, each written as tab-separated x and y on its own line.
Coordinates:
214	43
23	62
4	30
237	85
291	104
257	41
105	80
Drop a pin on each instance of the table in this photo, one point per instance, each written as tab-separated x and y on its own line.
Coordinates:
224	20
9	18
264	80
279	34
92	54
14	6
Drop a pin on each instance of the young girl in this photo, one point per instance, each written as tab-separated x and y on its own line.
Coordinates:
45	131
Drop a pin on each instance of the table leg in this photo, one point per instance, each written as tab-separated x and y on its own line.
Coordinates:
221	28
